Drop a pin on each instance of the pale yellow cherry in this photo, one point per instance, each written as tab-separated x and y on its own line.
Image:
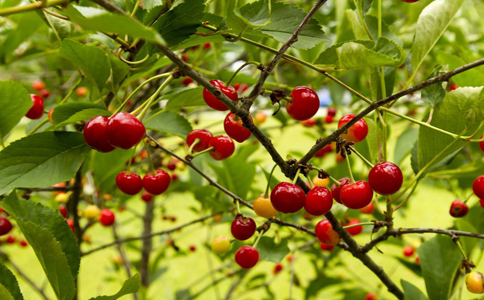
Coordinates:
221	244
263	207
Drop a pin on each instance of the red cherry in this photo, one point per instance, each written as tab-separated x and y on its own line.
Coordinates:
325	150
329	119
331	111
107	217
185	57
192	248
308	123
453	86
478	187
213	102
243	228
356	195
130	184
223	147
318	201
336	189
287	197
458	209
23	243
38	85
410	1
158	183
241	87
81	91
70	222
37	110
325	233
368	209
171	166
277	268
187	81
304	105
204	137
146	197
44	93
408	251
481	202
357	132
207	46
10	239
63	210
326	247
417	260
124	130
174	176
354	230
371	296
5	226
95	134
234	127
385	178
481	144
246	257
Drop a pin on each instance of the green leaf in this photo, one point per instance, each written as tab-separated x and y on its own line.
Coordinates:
468	243
256	14
170	122
15	102
51	239
91	18
236	175
119	70
440	259
412	292
106	166
73	112
432	23
41	160
475	115
9	288
285	19
270	251
90	59
182	21
472	77
449	115
434	93
405	144
130	286
184	97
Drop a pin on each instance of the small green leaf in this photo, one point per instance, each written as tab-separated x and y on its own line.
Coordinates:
92	18
184	97
170	122
15	102
440	260
412	292
256	14
405	144
41	160
9	285
90	59
434	93
130	286
271	251
475	115
73	112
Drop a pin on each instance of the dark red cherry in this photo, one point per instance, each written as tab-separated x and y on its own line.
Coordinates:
481	144
354	230
243	228
130	184
10	239
357	132
356	195
107	217
478	187
204	137
326	247
325	150
213	102
63	210
95	134
331	111
277	268
234	127
385	178
70	222
458	209
146	197
318	201
304	105
325	233
5	226
408	251
410	1
223	147
287	197
37	110
158	183
246	257
125	130
45	93
336	189
187	81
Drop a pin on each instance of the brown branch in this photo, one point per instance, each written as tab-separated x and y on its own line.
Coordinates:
147	243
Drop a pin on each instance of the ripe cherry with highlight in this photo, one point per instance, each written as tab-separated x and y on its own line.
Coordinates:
287	197
304	105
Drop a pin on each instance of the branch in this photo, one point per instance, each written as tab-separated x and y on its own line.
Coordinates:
126	264
33	6
147	243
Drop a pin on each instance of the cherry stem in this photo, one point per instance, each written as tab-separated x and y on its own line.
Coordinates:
359	224
195	142
145	106
334	181
459	245
310	182
130	160
468	198
136	90
352	179
296	176
152	166
203	152
361	156
237	203
258	238
255	63
266	193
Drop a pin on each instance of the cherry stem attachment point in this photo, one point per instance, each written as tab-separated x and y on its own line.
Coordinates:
195	142
266	193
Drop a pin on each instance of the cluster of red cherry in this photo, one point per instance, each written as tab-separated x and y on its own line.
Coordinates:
6	227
